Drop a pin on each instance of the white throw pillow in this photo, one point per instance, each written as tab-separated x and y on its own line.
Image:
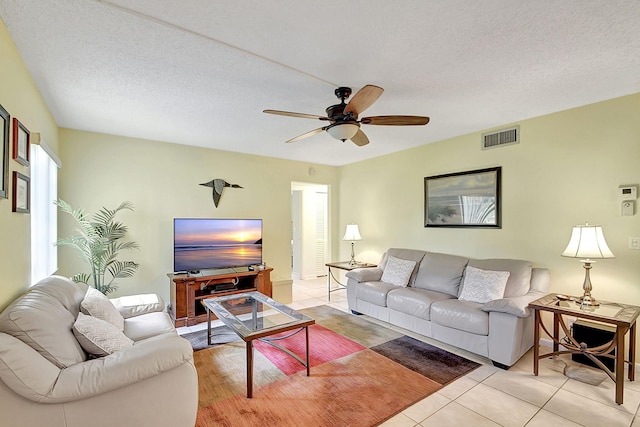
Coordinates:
96	304
483	285
398	271
98	337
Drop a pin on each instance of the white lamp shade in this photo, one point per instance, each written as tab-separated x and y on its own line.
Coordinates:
352	233
587	241
343	131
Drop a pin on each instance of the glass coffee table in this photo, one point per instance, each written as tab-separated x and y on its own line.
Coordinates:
254	316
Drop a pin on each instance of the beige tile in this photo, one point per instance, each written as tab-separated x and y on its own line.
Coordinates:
587	412
399	420
482	373
546	419
523	386
457	388
636	422
605	393
632	385
498	406
455	415
426	407
550	371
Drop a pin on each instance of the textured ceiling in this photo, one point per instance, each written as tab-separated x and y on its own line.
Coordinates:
200	72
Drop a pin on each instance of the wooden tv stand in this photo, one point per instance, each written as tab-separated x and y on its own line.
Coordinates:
188	290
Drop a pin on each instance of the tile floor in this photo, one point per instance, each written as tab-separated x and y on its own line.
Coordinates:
490	396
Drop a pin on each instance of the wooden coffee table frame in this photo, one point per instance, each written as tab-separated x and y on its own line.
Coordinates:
250	331
622	316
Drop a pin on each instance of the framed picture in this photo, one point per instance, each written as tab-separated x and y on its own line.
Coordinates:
21	196
20	143
465	199
4	153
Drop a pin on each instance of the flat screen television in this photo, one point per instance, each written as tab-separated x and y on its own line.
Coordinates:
215	243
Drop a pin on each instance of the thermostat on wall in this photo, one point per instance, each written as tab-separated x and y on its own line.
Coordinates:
628	192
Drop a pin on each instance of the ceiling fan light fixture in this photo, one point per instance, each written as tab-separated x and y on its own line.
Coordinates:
343	131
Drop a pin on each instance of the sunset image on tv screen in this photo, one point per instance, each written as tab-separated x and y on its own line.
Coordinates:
216	243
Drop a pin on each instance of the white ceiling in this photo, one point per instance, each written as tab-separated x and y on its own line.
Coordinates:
200	72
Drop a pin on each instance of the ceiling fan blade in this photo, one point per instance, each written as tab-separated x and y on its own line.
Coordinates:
360	138
395	120
302	115
363	99
307	134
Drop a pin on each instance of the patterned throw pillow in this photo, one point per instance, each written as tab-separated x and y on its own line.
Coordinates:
398	271
483	285
96	304
98	337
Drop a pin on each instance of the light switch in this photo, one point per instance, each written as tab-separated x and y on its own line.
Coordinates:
634	242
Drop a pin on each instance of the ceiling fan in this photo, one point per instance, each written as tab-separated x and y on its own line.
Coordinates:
343	118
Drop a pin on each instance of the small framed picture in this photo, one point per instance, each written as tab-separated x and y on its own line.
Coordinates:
21	196
4	153
21	137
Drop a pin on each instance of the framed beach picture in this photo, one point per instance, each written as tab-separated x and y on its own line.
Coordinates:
21	188
20	143
463	199
4	153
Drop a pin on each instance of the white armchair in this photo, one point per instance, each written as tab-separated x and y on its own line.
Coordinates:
46	378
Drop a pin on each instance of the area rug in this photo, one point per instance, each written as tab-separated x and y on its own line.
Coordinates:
361	375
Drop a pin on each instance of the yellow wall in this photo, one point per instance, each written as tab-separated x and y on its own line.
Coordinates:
162	181
565	171
20	97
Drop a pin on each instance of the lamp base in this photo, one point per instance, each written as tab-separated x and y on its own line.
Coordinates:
587	301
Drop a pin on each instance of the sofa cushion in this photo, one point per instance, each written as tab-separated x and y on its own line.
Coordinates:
96	304
135	305
99	337
370	274
408	254
398	271
40	319
517	306
141	327
519	277
441	273
462	315
374	292
64	290
415	302
483	285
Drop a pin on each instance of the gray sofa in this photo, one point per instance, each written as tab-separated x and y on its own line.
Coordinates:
48	379
433	301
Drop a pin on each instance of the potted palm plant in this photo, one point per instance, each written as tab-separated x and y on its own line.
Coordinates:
99	241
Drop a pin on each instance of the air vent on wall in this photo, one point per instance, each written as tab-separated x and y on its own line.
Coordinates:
501	138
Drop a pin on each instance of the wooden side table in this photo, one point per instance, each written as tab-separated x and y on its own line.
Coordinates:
346	265
622	316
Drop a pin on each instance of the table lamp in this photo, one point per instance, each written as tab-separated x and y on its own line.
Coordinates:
587	242
352	233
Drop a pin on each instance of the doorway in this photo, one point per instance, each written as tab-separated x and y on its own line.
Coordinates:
309	230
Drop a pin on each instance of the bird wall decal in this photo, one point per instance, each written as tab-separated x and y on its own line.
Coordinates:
217	185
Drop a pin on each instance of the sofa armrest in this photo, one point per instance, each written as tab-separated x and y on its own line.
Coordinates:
136	305
24	370
372	274
35	378
145	359
517	306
